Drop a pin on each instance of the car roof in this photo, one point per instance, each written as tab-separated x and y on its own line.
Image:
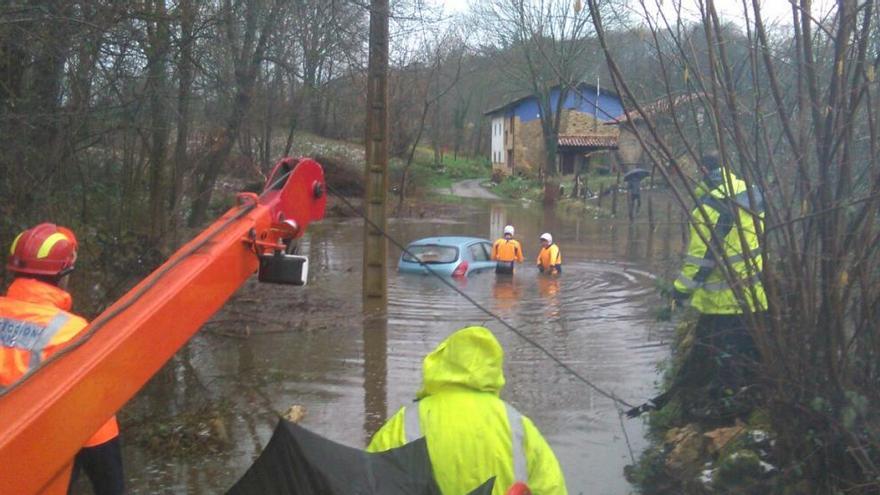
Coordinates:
448	240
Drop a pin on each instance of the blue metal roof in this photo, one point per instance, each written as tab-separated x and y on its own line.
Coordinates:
606	108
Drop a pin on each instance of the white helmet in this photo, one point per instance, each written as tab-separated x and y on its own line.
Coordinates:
508	230
547	237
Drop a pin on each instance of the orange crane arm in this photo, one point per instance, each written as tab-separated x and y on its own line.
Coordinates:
46	418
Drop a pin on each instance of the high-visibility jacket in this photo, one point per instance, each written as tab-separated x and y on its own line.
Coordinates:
472	435
507	250
726	216
35	323
550	258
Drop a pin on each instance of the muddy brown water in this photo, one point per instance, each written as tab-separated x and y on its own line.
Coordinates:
198	425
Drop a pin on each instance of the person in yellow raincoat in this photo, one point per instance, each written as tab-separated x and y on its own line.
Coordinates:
472	434
730	216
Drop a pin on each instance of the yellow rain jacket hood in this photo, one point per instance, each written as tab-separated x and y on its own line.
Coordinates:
470	358
468	427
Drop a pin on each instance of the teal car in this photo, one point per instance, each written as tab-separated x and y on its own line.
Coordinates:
449	256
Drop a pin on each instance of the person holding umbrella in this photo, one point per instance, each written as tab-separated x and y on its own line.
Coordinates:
633	180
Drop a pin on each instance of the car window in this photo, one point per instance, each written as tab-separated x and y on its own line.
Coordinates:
431	254
488	248
478	252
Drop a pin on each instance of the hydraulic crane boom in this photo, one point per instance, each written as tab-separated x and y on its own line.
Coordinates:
45	419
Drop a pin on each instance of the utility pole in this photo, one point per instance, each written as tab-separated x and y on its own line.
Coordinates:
376	170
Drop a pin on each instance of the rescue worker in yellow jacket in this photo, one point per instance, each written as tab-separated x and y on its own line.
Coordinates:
35	323
506	251
472	434
549	258
729	216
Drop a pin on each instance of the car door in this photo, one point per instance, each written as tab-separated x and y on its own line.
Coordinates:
480	256
487	248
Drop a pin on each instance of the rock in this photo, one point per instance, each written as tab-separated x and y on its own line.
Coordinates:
218	429
686	457
720	437
295	414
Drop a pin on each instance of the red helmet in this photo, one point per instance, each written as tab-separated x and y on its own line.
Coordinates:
46	249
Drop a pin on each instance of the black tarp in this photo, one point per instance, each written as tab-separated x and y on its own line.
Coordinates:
297	461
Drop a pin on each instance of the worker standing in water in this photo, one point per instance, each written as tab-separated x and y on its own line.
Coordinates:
549	258
36	322
471	433
506	251
730	218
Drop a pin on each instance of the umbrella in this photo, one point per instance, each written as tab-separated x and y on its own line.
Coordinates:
636	174
297	461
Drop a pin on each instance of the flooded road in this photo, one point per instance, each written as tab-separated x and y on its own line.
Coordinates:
201	422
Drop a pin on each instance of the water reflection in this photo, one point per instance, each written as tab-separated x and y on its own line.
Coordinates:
320	347
497	220
548	288
506	293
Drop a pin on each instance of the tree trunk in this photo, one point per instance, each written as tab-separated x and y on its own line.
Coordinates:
401	191
157	61
184	93
245	77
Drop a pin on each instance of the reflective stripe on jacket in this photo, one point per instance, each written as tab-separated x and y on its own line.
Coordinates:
732	225
35	323
507	250
549	257
472	434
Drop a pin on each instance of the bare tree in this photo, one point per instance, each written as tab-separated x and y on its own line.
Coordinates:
247	39
795	113
542	45
435	85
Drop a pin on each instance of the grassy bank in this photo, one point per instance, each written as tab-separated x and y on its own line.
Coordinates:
426	175
521	187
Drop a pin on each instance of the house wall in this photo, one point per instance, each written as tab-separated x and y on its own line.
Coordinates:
497	148
580	116
577	123
629	150
529	152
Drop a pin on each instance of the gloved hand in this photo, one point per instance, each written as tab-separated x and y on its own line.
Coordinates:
680	297
541	268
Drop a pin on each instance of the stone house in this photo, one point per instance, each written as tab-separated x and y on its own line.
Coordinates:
630	153
517	139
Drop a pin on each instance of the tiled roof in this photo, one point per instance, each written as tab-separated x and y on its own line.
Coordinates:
589	141
660	106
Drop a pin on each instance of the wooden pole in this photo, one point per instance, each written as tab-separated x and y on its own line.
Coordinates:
376	170
614	201
650	243
614	195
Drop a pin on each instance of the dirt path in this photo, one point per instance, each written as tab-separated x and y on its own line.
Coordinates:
471	188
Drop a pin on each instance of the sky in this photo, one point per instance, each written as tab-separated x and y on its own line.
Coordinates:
772	10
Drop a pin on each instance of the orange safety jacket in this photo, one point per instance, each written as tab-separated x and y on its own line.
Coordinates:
507	250
35	323
550	259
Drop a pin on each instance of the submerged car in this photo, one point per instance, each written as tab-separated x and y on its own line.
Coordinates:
453	256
